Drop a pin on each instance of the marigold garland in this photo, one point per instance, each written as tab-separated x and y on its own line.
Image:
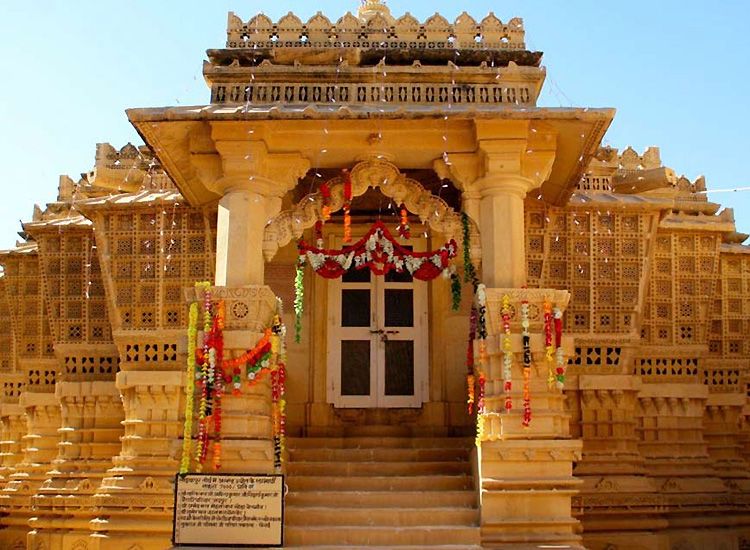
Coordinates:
325	211
404	230
187	433
507	353
526	342
470	368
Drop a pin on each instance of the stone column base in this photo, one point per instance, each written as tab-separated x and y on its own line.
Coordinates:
526	491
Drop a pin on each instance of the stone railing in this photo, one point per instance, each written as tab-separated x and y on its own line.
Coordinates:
378	31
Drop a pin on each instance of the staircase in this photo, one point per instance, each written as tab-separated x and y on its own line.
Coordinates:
380	487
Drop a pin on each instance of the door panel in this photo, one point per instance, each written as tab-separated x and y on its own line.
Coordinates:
377	339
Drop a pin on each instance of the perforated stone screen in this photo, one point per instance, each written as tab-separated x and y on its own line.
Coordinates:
150	251
26	305
74	288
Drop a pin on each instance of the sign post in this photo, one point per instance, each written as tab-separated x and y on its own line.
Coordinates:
237	510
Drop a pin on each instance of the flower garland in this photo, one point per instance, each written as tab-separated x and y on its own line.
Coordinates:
187	433
299	298
470	378
379	251
560	358
404	230
268	355
455	288
549	348
278	388
217	348
507	353
347	207
526	342
325	211
470	272
205	378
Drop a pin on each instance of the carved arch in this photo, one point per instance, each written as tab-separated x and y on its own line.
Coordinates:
434	211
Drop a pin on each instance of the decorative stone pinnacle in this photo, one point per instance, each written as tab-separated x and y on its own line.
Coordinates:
368	8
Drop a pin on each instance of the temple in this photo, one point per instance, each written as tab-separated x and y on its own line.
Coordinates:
509	336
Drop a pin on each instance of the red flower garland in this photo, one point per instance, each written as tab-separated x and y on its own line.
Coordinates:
381	254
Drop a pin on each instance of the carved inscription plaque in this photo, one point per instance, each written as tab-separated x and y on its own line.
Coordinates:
228	510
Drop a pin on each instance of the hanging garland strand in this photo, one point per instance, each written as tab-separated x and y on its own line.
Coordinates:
347	207
217	338
470	272
560	358
526	342
187	433
549	348
507	354
204	407
299	298
470	379
455	290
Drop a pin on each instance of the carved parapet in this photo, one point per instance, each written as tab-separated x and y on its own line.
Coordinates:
376	29
41	374
87	362
153	350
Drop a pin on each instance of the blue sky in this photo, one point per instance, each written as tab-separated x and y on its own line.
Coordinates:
676	71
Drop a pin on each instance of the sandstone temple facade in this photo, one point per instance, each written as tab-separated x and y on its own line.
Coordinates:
372	118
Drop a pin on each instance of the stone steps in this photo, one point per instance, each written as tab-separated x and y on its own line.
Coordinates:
376	468
388	537
380	517
380	488
379	442
433	454
380	483
377	499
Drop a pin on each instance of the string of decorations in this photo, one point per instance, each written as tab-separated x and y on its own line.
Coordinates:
526	343
549	348
187	432
217	374
507	353
560	357
299	298
347	207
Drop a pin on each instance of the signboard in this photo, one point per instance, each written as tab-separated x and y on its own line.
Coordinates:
236	510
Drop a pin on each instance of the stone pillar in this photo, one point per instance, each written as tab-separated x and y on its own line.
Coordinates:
92	415
12	425
239	238
526	476
133	504
247	431
620	504
39	444
501	225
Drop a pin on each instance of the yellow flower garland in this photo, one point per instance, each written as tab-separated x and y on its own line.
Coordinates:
187	434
